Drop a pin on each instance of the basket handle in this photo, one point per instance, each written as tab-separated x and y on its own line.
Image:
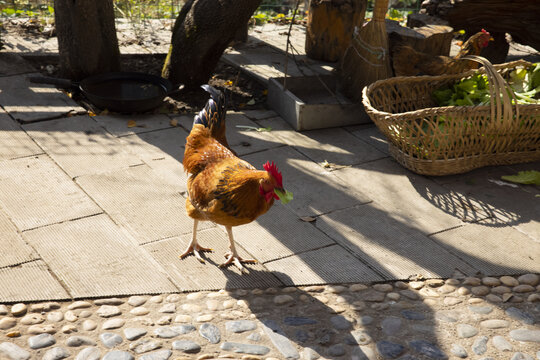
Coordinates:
500	109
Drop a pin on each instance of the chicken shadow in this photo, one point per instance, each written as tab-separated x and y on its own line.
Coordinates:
336	321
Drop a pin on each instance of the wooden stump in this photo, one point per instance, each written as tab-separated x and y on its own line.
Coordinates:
429	39
330	27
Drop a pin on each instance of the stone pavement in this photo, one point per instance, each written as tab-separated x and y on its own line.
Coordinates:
92	220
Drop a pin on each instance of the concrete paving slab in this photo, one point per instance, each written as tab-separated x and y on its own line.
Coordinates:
411	198
507	204
94	257
394	248
13	64
163	151
27	102
243	141
189	274
316	191
14	250
36	192
14	142
370	134
493	249
80	146
335	145
279	233
30	282
122	125
141	201
329	265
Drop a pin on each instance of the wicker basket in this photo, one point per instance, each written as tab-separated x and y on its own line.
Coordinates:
470	137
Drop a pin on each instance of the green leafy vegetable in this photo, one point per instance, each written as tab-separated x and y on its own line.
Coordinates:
524	177
474	90
285	197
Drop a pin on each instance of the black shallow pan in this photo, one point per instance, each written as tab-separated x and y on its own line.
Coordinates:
124	92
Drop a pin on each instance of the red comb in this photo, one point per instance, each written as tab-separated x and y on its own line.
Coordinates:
485	32
273	170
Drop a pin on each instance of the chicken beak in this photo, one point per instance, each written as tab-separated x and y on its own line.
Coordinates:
283	195
491	38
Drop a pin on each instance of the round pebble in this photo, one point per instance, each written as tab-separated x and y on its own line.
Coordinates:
75	341
89	325
523	288
186	346
192	308
466	331
491	281
7	323
183	318
501	289
283	299
41	329
113	324
529	279
134	333
501	343
3	309
108	311
383	287
494	324
446	289
41	341
480	345
55	316
56	353
70	316
357	287
458	351
136	301
110	340
416	285
480	290
19	309
79	305
509	281
140	311
472	281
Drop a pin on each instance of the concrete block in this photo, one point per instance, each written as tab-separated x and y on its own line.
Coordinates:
329	265
36	192
148	206
28	102
313	102
190	275
93	257
316	190
80	146
14	142
30	282
394	248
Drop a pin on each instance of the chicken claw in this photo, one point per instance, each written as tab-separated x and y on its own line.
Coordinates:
233	259
195	251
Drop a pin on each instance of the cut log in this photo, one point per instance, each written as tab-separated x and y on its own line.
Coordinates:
330	26
429	39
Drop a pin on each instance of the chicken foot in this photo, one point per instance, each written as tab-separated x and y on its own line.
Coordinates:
193	247
232	256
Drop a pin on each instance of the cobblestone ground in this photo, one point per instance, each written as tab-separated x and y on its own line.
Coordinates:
475	318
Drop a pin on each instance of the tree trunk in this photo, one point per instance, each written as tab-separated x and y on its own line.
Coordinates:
87	42
202	31
330	27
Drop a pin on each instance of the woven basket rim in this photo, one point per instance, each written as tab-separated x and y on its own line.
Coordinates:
430	110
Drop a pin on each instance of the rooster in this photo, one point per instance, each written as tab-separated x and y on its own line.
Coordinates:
409	62
223	188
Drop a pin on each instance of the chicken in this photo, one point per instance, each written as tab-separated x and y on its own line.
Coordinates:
223	188
409	62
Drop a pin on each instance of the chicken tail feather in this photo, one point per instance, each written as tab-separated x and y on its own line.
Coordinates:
213	114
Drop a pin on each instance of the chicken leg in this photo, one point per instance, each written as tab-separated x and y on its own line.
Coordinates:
232	256
193	246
